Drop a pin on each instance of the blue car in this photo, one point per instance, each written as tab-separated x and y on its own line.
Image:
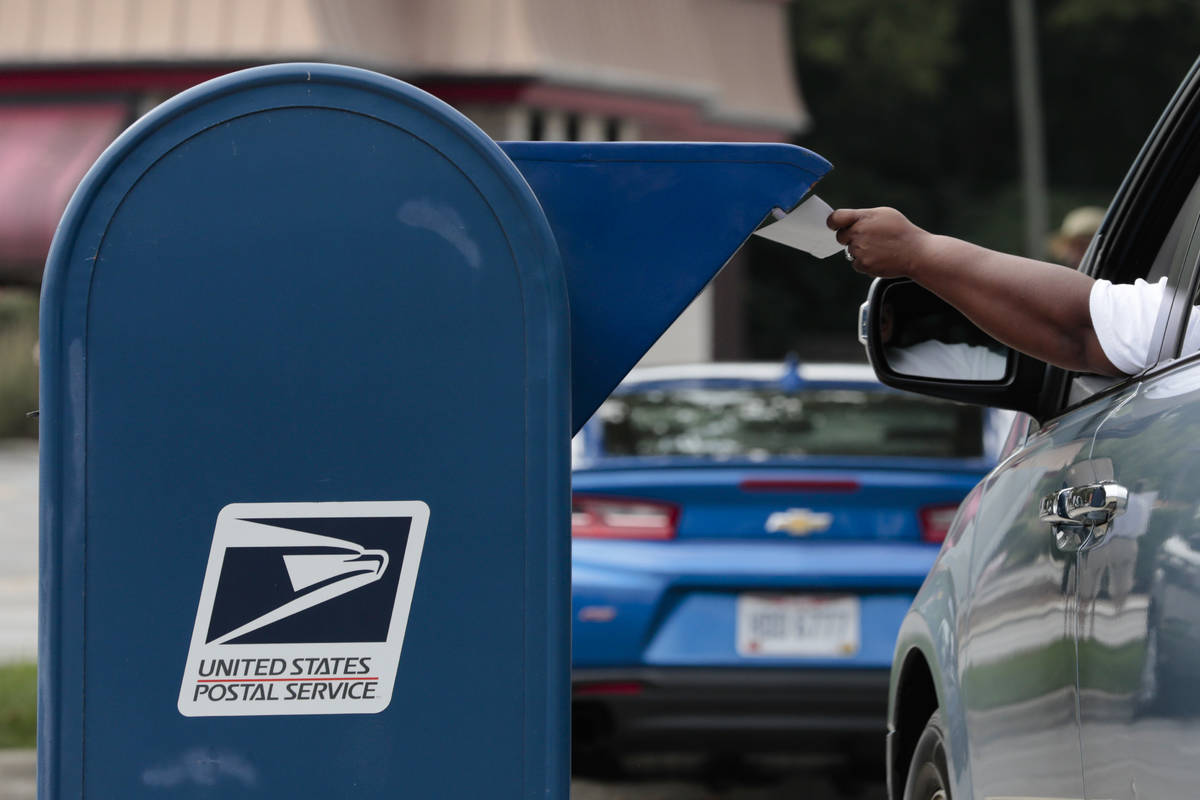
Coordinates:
746	541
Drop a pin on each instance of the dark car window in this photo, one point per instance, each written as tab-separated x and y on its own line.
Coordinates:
762	422
1169	262
1185	340
1149	227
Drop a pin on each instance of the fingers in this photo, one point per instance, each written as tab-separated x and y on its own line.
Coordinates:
843	218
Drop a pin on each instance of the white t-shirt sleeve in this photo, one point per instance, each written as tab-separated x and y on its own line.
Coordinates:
1123	316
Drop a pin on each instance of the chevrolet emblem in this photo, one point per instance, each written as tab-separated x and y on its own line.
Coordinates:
799	522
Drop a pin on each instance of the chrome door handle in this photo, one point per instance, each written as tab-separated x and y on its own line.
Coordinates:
1094	504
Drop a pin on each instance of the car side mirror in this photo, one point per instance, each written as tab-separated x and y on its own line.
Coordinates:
918	342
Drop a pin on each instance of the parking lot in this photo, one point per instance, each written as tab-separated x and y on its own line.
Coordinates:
814	787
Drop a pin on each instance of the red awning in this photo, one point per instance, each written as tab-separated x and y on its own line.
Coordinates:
44	152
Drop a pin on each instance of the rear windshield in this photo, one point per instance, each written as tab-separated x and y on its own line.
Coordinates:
750	422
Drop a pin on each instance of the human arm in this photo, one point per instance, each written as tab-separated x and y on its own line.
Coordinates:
1032	306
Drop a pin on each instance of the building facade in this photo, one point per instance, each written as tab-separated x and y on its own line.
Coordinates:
74	73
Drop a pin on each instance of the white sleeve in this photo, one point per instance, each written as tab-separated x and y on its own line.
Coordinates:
1123	316
1191	335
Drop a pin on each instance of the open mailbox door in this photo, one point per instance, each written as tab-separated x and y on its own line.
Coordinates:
313	348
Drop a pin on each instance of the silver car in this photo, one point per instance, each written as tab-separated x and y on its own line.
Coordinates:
1054	649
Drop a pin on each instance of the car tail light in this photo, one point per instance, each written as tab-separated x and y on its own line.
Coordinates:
935	522
610	688
621	518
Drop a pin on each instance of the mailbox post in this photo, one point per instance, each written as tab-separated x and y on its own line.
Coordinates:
313	349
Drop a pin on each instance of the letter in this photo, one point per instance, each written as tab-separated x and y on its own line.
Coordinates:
366	665
369	690
224	668
201	688
278	666
350	690
217	691
291	691
296	668
203	673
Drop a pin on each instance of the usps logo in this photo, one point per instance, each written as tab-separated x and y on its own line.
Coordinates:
303	608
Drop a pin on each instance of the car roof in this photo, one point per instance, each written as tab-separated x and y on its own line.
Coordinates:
770	371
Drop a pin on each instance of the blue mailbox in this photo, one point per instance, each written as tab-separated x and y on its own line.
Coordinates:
313	349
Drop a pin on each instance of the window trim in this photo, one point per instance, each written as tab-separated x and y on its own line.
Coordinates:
1171	353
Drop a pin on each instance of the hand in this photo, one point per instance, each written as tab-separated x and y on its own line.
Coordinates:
881	241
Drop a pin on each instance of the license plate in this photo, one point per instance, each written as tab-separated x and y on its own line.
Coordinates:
797	625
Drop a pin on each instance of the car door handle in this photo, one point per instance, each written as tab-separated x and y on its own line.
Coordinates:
1094	504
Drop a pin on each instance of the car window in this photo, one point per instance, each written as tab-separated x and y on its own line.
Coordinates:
1147	231
1170	261
1178	234
1183	334
761	422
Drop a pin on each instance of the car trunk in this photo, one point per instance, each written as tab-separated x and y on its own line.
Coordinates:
839	499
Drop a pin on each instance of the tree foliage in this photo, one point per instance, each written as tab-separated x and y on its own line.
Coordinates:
913	102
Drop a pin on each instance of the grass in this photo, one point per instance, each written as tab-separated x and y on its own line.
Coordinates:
18	362
18	705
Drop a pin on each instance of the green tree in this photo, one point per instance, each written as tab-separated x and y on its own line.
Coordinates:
913	103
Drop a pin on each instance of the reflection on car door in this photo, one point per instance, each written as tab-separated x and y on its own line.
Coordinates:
1139	600
1018	669
1138	594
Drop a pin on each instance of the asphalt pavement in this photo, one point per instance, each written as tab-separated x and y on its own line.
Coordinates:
650	780
736	784
17	775
17	782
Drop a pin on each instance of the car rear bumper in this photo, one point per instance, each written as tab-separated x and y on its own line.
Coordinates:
745	710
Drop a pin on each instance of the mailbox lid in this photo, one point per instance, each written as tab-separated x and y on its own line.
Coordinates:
642	227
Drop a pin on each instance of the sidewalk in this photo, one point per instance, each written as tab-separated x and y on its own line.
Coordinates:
18	542
17	780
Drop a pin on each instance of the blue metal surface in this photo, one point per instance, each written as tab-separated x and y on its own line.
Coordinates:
642	227
270	289
697	635
674	601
